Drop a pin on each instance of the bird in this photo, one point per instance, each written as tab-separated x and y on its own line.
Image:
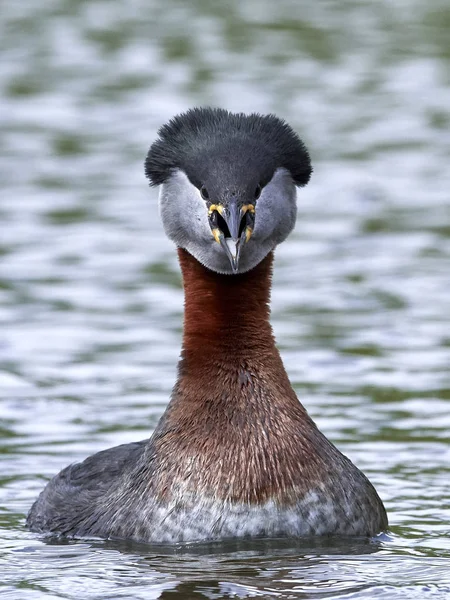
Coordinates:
235	454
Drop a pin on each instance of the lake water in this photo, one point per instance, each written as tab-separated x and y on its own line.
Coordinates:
90	295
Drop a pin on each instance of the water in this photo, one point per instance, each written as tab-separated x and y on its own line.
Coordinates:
90	296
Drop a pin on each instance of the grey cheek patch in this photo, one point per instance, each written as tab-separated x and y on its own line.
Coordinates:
276	208
183	212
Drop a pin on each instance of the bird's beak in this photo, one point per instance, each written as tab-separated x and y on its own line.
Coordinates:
232	250
233	216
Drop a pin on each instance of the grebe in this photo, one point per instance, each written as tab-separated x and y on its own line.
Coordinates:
235	454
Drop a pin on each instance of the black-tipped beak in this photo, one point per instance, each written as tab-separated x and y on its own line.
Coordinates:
233	216
231	227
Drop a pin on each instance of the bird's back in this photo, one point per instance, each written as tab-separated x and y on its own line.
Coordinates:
77	497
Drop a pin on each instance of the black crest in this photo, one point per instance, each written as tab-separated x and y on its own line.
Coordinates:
207	141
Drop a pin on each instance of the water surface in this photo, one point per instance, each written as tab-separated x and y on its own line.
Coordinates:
90	294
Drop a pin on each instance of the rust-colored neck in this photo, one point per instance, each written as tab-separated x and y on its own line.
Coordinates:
234	422
226	315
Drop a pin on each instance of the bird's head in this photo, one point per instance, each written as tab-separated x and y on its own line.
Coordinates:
228	184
